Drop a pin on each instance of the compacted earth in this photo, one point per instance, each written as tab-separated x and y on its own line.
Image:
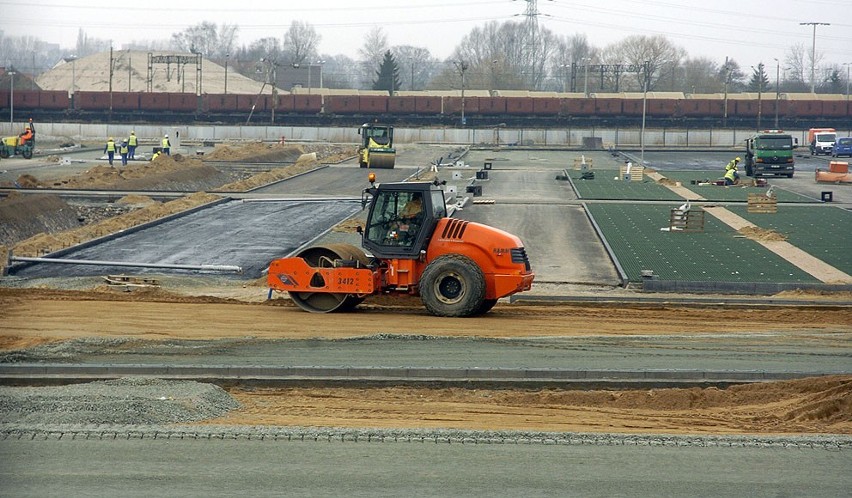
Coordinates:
43	315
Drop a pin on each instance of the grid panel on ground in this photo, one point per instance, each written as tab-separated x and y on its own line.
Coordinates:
718	254
732	193
604	186
824	232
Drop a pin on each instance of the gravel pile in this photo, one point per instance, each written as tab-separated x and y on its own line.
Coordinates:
122	401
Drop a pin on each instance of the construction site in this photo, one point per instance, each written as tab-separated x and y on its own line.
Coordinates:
664	308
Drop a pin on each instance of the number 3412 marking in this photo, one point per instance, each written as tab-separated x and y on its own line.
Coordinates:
345	281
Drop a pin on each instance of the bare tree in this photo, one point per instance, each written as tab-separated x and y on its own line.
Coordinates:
417	66
301	42
639	50
207	39
340	71
371	53
570	54
88	46
29	56
795	63
499	56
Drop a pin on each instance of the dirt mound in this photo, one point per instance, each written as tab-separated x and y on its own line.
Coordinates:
806	406
268	177
761	234
257	151
176	172
135	200
279	152
23	216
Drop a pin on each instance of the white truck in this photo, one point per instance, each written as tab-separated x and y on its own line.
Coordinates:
821	140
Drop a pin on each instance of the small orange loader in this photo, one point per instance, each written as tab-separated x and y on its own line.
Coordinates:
410	247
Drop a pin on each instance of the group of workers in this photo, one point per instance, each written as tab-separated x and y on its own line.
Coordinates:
127	148
732	176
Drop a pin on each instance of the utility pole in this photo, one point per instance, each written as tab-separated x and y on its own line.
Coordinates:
727	79
644	108
813	49
777	89
462	67
586	60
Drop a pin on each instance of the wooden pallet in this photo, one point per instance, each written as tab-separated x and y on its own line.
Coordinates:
130	281
579	165
760	203
690	220
636	173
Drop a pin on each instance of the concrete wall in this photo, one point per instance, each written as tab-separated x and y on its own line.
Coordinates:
618	137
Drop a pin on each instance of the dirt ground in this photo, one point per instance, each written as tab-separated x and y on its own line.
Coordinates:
29	317
822	405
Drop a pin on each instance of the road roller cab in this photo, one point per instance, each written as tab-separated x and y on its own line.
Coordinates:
410	247
376	147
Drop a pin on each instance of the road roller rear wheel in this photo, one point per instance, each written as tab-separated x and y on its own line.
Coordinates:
324	257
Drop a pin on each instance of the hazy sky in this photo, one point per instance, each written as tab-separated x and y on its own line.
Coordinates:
750	31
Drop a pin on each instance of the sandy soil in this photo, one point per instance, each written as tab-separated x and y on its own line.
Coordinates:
808	406
34	316
30	317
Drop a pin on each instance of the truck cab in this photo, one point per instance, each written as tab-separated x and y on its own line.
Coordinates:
769	153
821	140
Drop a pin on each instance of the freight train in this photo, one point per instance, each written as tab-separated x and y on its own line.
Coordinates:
476	109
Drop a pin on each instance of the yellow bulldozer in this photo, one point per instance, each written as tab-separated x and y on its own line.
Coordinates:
376	147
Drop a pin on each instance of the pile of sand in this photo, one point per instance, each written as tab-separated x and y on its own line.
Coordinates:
762	234
23	216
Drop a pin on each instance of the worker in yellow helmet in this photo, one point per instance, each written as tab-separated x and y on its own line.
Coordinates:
132	142
166	145
109	150
732	176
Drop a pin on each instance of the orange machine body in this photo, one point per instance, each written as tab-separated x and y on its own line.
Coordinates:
499	255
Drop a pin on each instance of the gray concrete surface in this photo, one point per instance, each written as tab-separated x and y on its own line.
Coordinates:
246	234
236	465
390	347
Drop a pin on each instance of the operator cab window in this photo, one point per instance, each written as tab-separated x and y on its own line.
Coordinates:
397	219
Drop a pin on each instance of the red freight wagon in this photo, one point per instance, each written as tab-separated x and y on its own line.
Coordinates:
453	105
747	108
519	105
578	106
492	105
428	105
183	102
153	101
834	108
611	107
693	107
546	106
4	99
125	101
53	99
341	104
768	108
661	107
91	101
631	107
244	102
281	102
377	104
310	103
218	102
26	99
406	104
